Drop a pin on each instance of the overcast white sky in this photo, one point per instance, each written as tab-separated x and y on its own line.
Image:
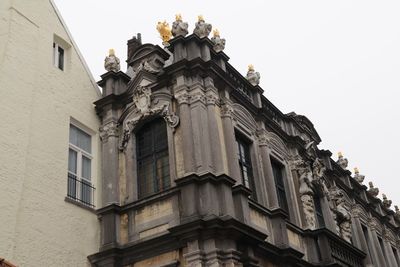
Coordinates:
337	62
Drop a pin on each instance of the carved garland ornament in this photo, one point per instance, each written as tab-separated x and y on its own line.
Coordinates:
142	102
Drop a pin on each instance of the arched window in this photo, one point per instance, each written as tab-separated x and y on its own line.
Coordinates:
152	158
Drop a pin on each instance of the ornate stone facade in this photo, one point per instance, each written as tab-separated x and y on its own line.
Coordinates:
247	185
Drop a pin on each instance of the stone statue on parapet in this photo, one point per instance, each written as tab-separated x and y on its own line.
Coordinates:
386	202
219	43
179	28
397	212
373	191
252	76
111	62
165	32
357	176
343	162
202	28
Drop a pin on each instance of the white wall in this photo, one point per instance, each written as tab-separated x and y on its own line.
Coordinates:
37	100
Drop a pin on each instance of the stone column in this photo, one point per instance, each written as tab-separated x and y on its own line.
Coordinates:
359	238
194	255
186	127
375	248
272	195
230	142
390	257
110	179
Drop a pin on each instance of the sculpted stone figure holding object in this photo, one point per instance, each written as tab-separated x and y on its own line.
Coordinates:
219	43
357	176
252	76
111	62
202	28
373	191
386	202
179	28
306	193
343	162
342	214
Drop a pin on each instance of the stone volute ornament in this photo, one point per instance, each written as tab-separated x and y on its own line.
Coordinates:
343	162
373	191
202	29
386	202
252	76
357	176
165	32
111	62
219	43
142	100
179	28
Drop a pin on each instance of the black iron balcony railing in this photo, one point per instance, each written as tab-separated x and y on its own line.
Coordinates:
80	190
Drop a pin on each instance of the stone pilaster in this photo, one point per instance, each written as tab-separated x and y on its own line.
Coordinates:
375	248
110	179
267	170
230	142
359	238
186	127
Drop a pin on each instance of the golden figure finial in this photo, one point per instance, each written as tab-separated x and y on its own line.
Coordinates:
200	18
340	154
216	33
356	170
165	31
178	17
111	52
251	67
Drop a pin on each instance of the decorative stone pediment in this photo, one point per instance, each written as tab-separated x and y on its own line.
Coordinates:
143	109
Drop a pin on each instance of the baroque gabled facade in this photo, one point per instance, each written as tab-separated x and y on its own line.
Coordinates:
201	169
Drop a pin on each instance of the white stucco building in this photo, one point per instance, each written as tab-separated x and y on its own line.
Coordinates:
48	140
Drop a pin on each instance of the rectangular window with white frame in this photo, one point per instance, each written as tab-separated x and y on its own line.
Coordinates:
58	56
80	158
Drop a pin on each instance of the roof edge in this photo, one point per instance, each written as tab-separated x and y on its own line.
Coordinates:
80	56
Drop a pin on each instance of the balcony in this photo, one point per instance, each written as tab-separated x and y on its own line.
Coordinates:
80	190
334	251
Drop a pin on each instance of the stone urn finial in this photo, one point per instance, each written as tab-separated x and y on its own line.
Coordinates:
219	43
373	191
202	29
111	62
386	202
252	76
179	28
165	32
357	176
343	162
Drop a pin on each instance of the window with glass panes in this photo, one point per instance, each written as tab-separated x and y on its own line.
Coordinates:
318	212
245	164
278	170
80	166
152	158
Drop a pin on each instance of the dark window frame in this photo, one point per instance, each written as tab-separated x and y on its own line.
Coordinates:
152	158
319	216
279	173
245	163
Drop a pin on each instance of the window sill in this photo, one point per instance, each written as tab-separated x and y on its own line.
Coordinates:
79	204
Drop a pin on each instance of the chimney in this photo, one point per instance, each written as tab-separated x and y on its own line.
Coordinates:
133	45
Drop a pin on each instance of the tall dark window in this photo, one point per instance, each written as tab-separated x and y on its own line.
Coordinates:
245	164
382	248
318	212
152	158
366	236
278	170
